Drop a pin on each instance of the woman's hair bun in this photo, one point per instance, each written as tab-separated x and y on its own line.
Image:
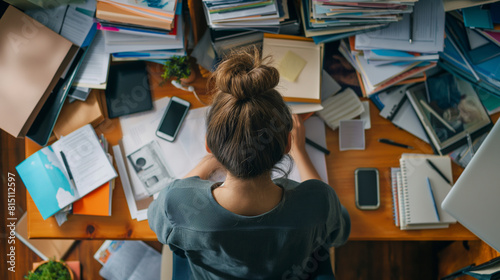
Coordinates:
245	75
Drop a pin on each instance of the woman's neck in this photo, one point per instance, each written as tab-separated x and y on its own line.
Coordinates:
248	197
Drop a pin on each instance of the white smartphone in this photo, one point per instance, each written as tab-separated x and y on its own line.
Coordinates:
367	188
173	117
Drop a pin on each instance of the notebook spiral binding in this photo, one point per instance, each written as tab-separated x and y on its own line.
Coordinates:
406	200
394	188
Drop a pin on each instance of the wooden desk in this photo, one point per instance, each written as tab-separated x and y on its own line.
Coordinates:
366	225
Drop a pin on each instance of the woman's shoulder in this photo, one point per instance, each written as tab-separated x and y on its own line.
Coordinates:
189	182
309	185
186	187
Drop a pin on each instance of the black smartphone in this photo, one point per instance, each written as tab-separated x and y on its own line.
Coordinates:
171	122
367	188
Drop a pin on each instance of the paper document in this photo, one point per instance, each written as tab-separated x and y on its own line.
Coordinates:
181	155
94	70
86	159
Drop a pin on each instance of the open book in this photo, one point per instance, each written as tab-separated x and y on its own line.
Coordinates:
62	173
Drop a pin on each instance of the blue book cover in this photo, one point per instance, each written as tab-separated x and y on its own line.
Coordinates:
45	178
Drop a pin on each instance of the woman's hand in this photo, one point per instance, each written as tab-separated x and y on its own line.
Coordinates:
298	151
298	145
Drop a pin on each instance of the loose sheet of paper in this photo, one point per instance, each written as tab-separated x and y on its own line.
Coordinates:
365	116
94	69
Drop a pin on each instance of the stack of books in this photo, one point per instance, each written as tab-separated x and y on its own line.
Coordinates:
419	186
330	20
472	49
400	52
141	30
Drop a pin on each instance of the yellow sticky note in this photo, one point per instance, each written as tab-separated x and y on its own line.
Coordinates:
291	65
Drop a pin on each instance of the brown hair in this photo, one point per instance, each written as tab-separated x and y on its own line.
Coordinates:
249	123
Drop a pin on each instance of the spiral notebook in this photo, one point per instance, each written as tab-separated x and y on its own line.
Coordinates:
416	202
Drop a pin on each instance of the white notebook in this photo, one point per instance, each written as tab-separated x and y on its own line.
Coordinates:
417	198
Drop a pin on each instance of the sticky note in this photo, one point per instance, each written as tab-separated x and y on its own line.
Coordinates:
291	65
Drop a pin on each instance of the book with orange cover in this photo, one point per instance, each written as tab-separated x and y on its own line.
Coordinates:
146	10
96	203
109	12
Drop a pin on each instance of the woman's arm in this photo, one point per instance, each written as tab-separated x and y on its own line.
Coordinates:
206	167
298	151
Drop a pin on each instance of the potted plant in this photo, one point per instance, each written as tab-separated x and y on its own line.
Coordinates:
51	270
179	67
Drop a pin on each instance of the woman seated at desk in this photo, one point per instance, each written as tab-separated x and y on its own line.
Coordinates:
250	226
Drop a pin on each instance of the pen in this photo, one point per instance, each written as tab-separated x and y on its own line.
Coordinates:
390	142
438	171
433	198
317	146
65	161
411	29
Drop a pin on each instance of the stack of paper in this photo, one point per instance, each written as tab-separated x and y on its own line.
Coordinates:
329	20
375	76
400	52
264	15
135	30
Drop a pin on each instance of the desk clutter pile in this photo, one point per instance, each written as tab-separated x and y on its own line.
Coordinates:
431	67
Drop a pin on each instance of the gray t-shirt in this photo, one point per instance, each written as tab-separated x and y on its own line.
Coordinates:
275	245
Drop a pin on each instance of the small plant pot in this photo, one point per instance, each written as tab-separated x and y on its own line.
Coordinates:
189	80
39	266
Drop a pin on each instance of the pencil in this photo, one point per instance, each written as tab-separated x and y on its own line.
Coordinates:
433	198
437	170
317	146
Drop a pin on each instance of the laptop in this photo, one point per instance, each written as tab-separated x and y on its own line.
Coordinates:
474	199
